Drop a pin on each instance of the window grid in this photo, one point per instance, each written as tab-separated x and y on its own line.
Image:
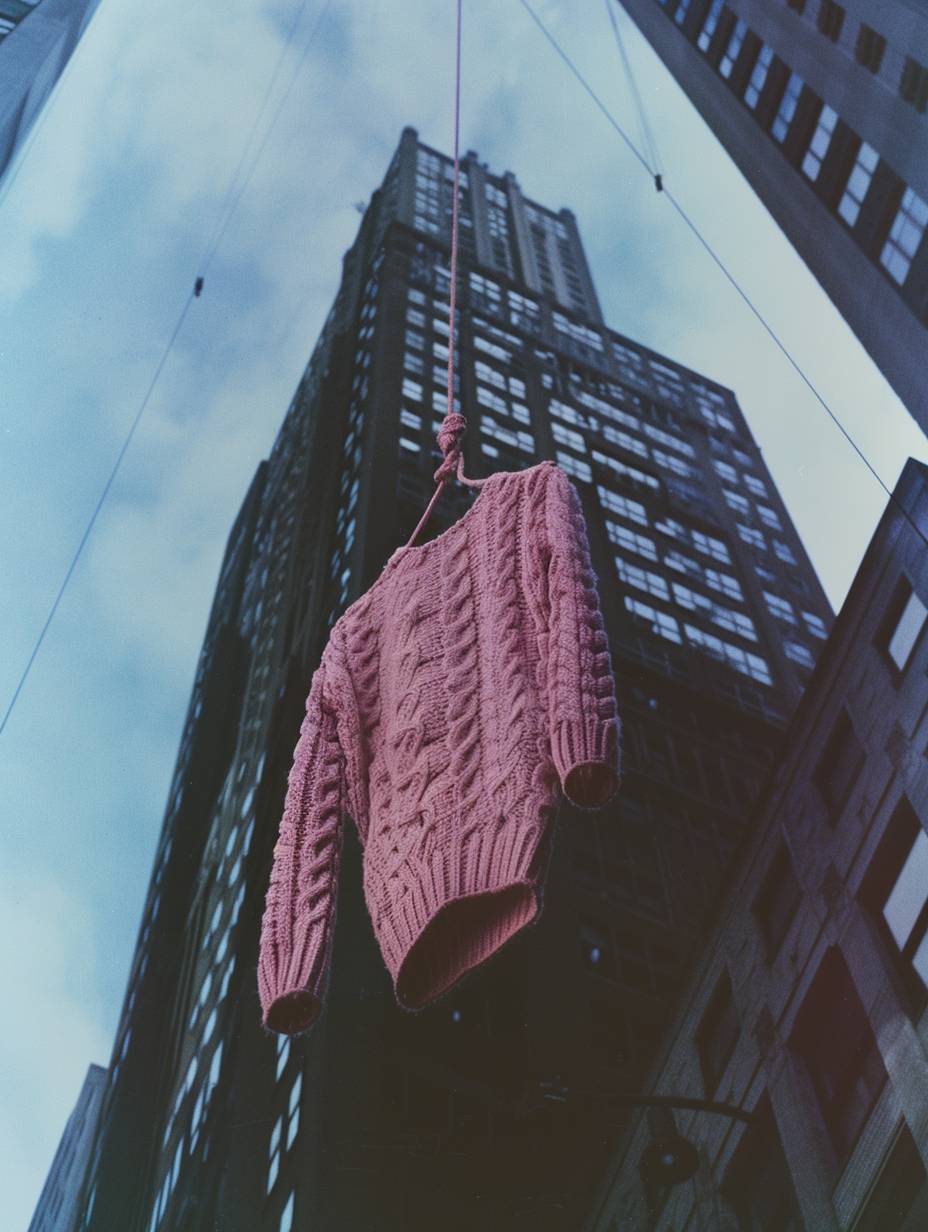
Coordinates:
905	236
787	109
858	183
758	77
733	50
821	140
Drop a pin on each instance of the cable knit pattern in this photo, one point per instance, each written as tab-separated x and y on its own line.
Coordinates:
455	702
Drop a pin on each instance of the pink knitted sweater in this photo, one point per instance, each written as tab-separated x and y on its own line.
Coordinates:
452	702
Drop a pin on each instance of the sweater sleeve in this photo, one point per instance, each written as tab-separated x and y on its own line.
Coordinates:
583	717
299	916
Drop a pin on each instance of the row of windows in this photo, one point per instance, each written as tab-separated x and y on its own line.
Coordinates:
909	224
832	1035
663	625
905	72
284	1132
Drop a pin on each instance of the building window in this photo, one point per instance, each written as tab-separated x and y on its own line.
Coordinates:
274	1154
574	466
658	622
787	109
783	552
704	37
839	765
758	75
717	1035
757	1184
858	183
834	1040
777	903
900	1183
733	50
751	536
780	608
870	48
623	537
293	1110
814	624
627	508
596	950
798	653
830	19
902	626
286	1217
905	235
821	140
769	517
895	892
641	579
913	85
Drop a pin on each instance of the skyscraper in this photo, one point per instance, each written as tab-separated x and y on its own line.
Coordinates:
482	1107
37	38
57	1209
823	108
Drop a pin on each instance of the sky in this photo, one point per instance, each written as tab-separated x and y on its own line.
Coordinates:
103	229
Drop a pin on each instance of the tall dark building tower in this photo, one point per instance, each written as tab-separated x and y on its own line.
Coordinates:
37	38
823	108
482	1108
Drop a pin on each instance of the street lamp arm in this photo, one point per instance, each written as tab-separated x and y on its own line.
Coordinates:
632	1099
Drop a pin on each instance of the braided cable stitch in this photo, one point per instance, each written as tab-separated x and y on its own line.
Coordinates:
453	700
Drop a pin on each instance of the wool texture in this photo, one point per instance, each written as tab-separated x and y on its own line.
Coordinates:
453	705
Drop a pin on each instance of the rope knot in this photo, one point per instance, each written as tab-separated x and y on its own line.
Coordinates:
450	434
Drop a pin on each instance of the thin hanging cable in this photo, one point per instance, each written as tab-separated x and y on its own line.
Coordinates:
743	294
647	133
595	97
194	294
213	246
94	515
453	425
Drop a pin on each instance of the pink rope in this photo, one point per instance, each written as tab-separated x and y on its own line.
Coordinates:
453	425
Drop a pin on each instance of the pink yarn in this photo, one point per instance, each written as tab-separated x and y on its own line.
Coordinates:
454	703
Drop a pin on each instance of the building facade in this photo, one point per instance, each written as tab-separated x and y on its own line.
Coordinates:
58	1208
37	38
823	108
483	1107
808	1006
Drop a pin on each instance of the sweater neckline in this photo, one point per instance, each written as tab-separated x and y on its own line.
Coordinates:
402	552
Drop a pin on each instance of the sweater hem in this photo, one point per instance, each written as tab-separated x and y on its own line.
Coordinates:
467	901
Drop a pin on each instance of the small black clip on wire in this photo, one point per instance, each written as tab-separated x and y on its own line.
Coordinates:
197	288
658	182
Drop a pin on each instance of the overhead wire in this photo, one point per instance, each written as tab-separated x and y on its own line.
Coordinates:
893	499
224	218
647	133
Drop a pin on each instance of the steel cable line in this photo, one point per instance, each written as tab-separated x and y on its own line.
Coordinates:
209	253
647	133
731	278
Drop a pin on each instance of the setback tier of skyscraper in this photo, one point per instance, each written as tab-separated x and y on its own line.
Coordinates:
823	108
480	1108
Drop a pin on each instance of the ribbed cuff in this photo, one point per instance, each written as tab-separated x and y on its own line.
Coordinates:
292	1011
587	762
